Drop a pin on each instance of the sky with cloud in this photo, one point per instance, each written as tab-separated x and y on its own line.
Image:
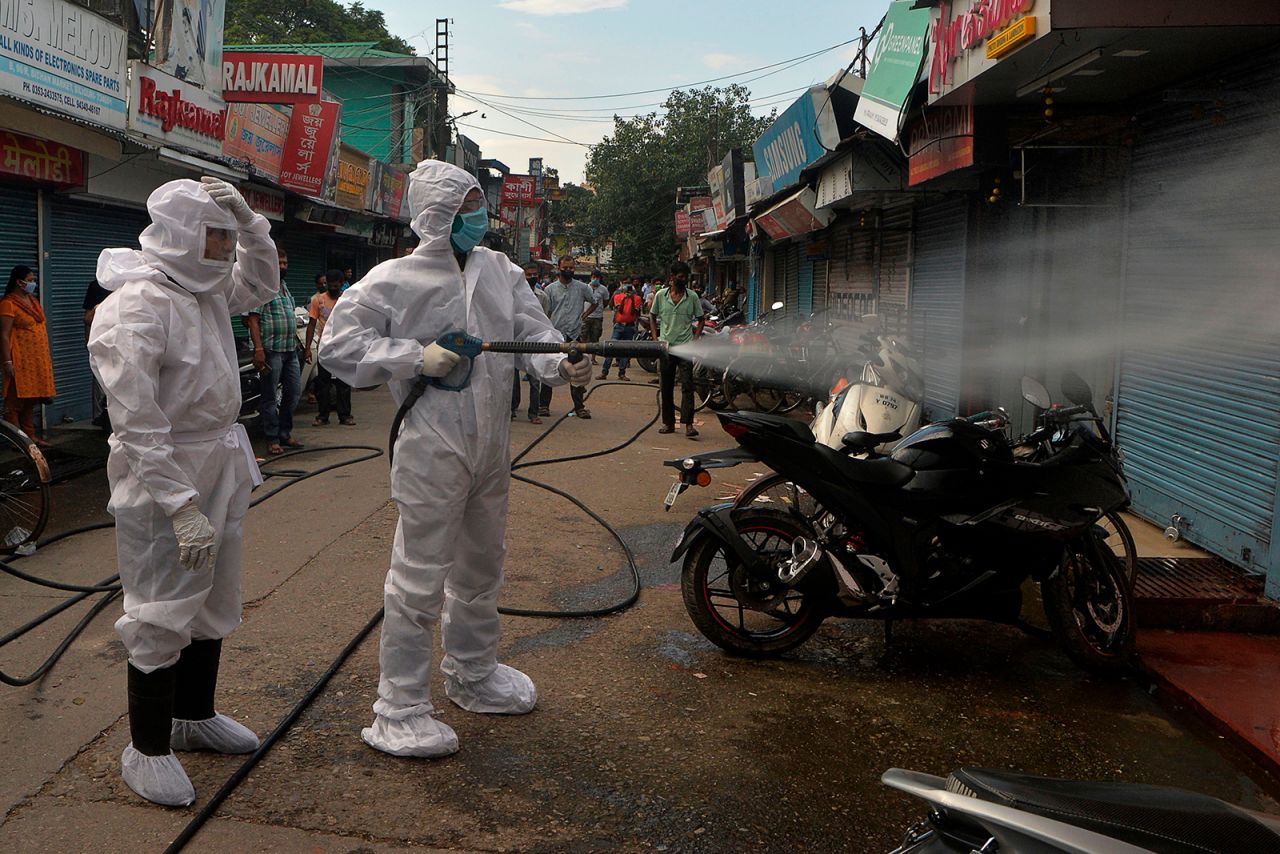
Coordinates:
521	60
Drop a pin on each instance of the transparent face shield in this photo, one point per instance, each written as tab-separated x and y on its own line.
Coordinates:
217	246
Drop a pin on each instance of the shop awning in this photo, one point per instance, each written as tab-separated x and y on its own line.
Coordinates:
201	165
795	215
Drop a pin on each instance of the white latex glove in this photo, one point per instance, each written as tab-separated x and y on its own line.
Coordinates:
577	373
196	545
228	197
437	361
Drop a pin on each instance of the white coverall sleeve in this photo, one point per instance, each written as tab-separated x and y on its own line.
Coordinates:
532	324
358	349
126	350
255	279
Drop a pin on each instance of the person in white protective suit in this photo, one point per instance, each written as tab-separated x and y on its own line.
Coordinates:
452	462
180	466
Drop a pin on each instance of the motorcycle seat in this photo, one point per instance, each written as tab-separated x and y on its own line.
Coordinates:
877	472
861	440
1152	817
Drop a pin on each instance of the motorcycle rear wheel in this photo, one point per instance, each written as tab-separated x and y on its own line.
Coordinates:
1089	605
706	584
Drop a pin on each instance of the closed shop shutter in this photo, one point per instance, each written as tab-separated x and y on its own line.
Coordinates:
851	270
77	233
1198	412
306	260
804	304
18	230
895	264
791	292
820	284
937	302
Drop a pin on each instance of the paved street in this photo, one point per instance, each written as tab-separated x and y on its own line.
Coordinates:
646	737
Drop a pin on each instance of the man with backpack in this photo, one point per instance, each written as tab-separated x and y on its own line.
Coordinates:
626	313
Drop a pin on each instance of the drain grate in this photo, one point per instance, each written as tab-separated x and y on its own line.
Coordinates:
1199	578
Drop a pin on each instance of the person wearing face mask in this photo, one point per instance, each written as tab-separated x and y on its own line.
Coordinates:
569	303
452	467
322	305
593	323
25	365
181	466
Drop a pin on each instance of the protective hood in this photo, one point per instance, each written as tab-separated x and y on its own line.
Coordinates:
118	266
436	191
181	212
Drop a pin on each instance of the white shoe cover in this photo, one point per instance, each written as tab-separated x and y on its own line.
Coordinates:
218	733
416	735
159	779
506	691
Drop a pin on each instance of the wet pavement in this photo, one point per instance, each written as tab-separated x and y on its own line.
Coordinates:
646	736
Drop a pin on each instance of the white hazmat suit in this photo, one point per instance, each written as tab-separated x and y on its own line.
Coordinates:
180	465
452	463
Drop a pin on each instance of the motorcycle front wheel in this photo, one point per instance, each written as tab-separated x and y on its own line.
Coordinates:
714	583
1090	608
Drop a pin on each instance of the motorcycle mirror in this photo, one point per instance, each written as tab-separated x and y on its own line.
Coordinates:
1076	389
1035	394
777	306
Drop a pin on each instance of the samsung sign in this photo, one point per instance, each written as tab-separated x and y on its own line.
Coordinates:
801	135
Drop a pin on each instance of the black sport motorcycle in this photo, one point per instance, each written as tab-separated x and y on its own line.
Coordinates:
949	525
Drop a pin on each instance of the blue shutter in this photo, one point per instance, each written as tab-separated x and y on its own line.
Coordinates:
804	304
307	259
18	231
937	302
1198	414
77	233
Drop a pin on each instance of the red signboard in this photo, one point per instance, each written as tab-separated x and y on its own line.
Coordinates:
518	190
307	150
392	188
271	78
40	160
682	223
941	144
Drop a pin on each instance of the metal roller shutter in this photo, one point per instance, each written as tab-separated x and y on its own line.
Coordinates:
77	232
307	259
851	271
19	231
791	286
1198	411
804	302
937	302
895	264
820	284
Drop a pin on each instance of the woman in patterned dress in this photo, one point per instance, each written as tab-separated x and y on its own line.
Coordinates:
25	364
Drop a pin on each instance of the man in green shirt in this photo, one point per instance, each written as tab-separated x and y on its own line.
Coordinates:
674	312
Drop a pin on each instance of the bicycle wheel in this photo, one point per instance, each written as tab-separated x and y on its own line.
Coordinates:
707	390
24	490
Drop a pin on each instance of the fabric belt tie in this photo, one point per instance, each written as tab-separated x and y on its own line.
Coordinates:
234	437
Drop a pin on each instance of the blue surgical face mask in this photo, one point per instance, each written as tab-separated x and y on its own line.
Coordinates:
30	286
468	230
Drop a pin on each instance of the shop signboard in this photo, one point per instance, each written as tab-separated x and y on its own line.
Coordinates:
373	191
940	142
309	147
268	202
715	179
894	68
392	186
256	134
803	133
519	190
174	112
969	37
40	160
60	56
865	168
189	41
795	215
271	78
733	185
353	178
682	223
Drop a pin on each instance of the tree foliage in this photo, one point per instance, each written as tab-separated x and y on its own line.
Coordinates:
308	22
570	216
637	170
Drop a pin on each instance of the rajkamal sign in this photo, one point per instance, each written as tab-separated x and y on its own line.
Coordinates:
894	69
40	160
168	110
971	36
189	41
312	133
60	56
271	78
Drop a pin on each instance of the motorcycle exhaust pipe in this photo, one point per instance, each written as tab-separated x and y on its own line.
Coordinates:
805	555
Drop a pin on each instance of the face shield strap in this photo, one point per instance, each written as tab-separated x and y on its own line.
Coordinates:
217	246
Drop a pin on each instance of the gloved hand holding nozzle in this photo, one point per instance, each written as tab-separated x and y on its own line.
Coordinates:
437	361
576	372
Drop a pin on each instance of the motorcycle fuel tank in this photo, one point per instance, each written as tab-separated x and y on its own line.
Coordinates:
949	457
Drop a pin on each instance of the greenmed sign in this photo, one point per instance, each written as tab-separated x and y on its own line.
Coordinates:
894	69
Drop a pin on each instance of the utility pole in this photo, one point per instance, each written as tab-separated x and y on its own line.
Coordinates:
439	128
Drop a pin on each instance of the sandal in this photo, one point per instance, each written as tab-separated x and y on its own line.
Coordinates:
533	419
293	443
274	449
320	422
690	431
347	422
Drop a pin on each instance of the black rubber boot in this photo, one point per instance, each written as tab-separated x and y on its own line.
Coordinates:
151	709
197	680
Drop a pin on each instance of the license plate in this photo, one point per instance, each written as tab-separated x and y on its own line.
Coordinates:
673	494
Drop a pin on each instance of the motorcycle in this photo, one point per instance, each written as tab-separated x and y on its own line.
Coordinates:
949	525
981	810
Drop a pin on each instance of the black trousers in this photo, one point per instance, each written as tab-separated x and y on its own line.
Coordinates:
342	392
576	392
670	369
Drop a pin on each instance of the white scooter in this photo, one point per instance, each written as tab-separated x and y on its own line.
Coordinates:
884	401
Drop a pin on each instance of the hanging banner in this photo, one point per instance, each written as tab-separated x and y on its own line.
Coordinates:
353	178
171	111
309	147
40	160
63	57
189	42
272	78
894	69
256	134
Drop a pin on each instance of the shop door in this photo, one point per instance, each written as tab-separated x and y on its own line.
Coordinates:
937	303
77	232
1198	410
